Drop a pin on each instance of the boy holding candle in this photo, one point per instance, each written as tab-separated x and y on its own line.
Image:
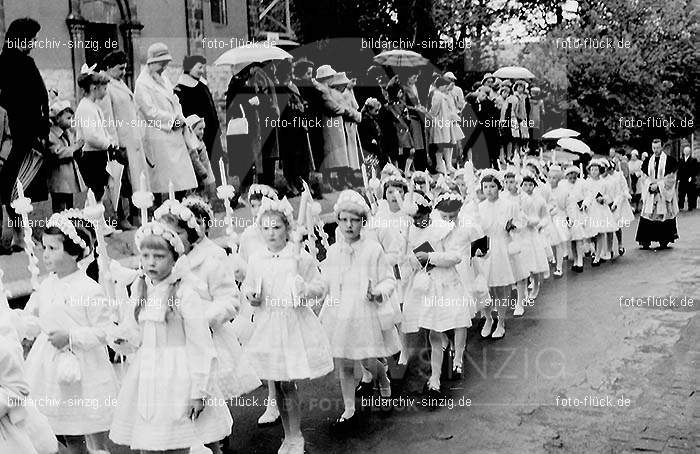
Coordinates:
194	135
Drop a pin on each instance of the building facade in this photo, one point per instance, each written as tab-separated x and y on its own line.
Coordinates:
74	32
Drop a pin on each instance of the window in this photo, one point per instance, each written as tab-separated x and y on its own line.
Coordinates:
219	11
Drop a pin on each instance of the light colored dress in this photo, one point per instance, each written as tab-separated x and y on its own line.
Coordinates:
250	242
619	190
493	217
13	389
600	215
77	304
579	227
234	374
436	298
558	231
523	261
174	363
287	342
357	328
536	216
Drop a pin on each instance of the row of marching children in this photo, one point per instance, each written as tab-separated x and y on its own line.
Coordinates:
194	327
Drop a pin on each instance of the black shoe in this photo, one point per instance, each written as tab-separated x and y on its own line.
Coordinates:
342	425
16	248
5	250
596	264
577	269
621	251
457	373
364	389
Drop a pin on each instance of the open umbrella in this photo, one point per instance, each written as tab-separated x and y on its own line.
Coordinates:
252	53
575	145
28	170
513	72
562	157
402	58
560	133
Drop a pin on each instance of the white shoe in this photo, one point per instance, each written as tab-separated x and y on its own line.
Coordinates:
271	415
486	330
296	446
517	312
500	331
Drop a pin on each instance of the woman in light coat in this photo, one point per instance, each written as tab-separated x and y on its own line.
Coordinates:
164	140
444	124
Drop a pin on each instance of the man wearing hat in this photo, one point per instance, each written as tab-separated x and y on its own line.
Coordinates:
195	98
164	140
64	175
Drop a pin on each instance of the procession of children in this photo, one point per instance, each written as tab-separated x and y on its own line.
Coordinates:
198	324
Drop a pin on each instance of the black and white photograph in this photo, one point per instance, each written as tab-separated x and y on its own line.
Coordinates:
349	227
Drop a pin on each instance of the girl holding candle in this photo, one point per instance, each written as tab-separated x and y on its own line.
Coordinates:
168	400
287	343
360	280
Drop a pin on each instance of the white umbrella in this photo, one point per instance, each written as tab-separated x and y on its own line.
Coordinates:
513	72
560	133
575	145
400	57
252	53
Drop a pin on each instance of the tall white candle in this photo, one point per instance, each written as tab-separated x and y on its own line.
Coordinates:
20	190
222	171
171	190
142	184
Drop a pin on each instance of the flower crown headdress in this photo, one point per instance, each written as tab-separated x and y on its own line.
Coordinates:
448	197
180	211
395	180
199	202
64	224
413	201
262	189
572	169
351	200
490	172
283	206
155	228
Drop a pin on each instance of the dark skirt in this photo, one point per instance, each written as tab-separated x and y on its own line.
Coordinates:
93	168
659	231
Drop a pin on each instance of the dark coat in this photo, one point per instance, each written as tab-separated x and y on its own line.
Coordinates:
23	95
371	137
671	164
687	170
195	98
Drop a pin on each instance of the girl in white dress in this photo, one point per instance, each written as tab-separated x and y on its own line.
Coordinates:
169	400
360	281
288	342
621	207
536	217
14	389
558	231
576	215
68	365
497	217
523	261
598	201
251	242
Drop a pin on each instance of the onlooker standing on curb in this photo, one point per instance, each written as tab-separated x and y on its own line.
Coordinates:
64	175
121	114
195	98
23	95
687	171
164	140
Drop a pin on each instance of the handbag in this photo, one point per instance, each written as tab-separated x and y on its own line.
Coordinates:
67	366
237	126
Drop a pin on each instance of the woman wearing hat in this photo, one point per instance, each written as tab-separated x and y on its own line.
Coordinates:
351	118
164	140
121	113
444	125
64	175
195	98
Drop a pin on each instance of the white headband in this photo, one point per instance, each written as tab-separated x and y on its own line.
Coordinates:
262	189
179	211
61	222
283	206
448	196
161	230
352	200
199	202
